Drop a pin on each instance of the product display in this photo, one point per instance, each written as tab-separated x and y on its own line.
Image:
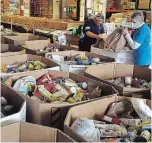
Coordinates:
131	83
22	67
121	122
58	90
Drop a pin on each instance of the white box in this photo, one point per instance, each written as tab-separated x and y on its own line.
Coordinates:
16	100
124	57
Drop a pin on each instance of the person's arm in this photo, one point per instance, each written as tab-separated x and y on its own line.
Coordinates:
136	43
133	44
92	35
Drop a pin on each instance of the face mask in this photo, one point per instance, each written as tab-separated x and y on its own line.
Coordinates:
135	25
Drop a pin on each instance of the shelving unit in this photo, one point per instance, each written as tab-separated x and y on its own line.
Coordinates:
128	5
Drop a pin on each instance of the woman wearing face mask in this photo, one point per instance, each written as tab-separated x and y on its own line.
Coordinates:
141	40
91	30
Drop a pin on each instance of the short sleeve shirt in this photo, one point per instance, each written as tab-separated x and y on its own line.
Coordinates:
89	25
142	55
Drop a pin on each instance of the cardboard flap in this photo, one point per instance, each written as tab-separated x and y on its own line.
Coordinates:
142	73
37	133
62	53
49	62
61	137
13	59
14	98
123	70
94	109
10	133
36	45
103	71
4	48
101	57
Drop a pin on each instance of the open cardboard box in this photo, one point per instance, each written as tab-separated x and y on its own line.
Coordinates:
13	98
27	57
50	114
92	110
9	50
120	57
36	49
27	39
79	69
115	70
26	132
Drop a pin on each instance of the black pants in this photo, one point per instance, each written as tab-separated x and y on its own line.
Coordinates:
84	45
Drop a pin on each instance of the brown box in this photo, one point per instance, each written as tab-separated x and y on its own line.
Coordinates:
78	69
9	50
26	132
27	39
114	70
50	114
72	40
92	110
27	57
34	50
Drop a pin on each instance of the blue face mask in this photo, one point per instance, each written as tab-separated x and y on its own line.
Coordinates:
135	25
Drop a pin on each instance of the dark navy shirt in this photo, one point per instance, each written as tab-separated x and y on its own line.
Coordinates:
89	25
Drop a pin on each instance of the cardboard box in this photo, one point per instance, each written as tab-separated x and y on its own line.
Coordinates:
18	101
115	70
27	57
9	50
91	110
27	39
79	69
34	50
72	40
53	115
26	132
124	58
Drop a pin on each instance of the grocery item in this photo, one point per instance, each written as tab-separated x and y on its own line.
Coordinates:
131	82
6	108
79	60
54	90
22	67
111	127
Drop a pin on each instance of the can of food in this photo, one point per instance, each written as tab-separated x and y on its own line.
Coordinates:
128	80
146	134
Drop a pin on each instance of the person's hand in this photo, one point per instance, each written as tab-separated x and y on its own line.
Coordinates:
99	37
125	31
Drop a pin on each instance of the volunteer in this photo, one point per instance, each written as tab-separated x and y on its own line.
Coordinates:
140	42
91	30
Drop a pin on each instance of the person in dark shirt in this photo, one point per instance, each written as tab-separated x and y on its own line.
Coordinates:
91	30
